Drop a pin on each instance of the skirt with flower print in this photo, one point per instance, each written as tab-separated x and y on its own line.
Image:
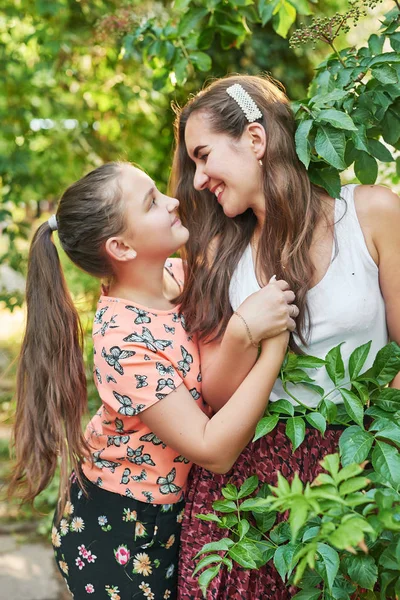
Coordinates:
114	547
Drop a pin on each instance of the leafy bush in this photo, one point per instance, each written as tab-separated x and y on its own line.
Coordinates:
342	532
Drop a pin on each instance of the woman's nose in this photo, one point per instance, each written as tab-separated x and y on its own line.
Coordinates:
200	180
173	204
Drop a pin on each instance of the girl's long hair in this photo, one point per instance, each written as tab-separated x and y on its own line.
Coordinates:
216	243
51	384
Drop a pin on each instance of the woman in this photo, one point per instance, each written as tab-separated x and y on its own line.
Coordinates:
116	532
252	211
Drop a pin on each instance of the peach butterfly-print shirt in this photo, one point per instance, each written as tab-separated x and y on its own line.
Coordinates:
140	356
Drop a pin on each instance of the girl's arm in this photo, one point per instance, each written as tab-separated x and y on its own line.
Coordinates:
225	363
378	210
217	442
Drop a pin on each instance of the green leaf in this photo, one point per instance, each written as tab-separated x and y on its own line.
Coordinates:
354	444
380	151
336	118
224	506
391	127
328	409
303	147
302	7
295	430
317	420
221	546
331	464
386	57
348	472
365	168
328	99
245	553
256	505
206	38
362	570
357	359
298	376
207	560
266	9
387	363
265	520
265	425
206	577
334	364
386	461
230	492
287	16
362	391
201	60
390	433
330	144
353	485
191	20
243	528
354	406
388	399
307	361
375	43
298	516
283	559
328	178
282	407
213	518
248	487
307	594
330	561
385	74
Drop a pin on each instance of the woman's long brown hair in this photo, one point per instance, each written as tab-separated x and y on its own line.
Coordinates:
51	383
292	208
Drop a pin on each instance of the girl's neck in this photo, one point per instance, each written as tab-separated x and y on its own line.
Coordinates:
148	285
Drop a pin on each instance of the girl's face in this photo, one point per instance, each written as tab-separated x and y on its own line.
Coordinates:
227	167
153	226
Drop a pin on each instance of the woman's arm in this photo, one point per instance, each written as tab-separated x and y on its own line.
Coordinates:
225	363
378	209
217	442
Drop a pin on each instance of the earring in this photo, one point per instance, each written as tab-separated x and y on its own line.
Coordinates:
260	162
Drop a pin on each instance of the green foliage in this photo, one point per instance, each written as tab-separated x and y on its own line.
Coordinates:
342	532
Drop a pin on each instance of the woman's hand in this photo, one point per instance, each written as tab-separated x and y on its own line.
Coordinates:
270	311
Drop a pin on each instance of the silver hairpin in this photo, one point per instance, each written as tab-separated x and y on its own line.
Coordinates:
245	101
53	223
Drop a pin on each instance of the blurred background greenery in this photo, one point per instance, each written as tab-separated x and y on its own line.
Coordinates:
89	81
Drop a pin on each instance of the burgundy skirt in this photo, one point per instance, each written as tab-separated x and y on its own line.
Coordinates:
263	458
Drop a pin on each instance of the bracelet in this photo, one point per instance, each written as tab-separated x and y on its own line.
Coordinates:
252	342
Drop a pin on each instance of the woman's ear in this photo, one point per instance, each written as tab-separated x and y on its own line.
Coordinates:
258	139
116	249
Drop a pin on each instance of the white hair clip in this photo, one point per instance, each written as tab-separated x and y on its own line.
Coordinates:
245	101
53	223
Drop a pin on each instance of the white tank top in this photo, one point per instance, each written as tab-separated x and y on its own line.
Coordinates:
345	306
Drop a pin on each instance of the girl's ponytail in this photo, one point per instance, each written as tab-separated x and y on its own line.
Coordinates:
51	383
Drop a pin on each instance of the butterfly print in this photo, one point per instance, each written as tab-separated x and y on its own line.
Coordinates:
129	494
169	329
151	437
141	381
148	496
119	425
98	317
164	370
184	364
142	315
199	377
195	393
99	482
98	374
127	407
178	318
106	464
146	357
180	459
125	476
116	354
166	483
116	440
137	458
110	378
106	325
149	341
141	477
162	383
160	396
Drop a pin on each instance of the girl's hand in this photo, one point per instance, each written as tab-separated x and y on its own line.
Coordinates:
269	311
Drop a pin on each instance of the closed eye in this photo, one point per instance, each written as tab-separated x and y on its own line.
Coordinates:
203	157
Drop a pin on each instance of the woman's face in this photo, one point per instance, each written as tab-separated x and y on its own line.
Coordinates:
227	167
153	226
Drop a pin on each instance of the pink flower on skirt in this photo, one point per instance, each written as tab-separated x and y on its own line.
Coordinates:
122	555
89	588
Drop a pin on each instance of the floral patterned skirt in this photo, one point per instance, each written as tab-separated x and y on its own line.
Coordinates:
263	458
109	546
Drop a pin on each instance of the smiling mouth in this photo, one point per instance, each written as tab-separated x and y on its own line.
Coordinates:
176	221
217	191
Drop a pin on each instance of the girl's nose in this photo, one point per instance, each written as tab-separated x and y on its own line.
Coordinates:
173	204
200	180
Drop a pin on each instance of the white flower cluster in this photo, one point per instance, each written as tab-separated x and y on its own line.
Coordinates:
245	101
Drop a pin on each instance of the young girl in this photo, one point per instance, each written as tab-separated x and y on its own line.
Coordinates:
117	535
252	211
